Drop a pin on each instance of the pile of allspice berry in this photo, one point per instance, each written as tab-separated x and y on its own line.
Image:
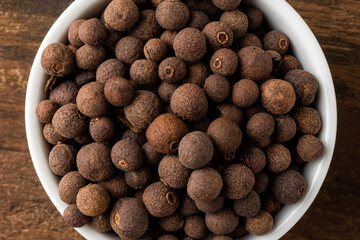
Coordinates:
178	120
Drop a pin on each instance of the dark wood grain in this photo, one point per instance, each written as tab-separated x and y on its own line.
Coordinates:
27	213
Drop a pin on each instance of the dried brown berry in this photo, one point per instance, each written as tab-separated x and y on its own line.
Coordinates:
197	73
260	126
73	33
187	206
172	70
116	186
278	157
254	16
112	38
198	20
309	148
146	27
307	120
236	20
45	111
92	200
229	110
168	237
189	102
217	88
92	32
172	223
166	90
226	5
84	76
118	91
165	132
195	226
126	155
139	178
70	185
203	5
238	181
101	129
248	39
64	93
90	57
277	41
109	69
150	155
74	217
212	206
57	60
155	50
172	14
190	45
289	63
285	128
62	159
129	218
172	173
247	206
288	187
84	139
168	37
204	184
91	100
261	182
160	200
139	138
222	222
129	49
101	223
253	158
276	59
51	135
277	96
245	93
224	62
144	72
239	231
259	224
94	162
121	15
270	204
218	35
254	109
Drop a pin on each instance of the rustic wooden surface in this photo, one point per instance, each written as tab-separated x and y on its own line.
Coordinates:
27	213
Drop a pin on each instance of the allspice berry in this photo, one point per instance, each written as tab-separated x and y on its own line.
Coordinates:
160	200
224	62
195	226
289	62
129	218
189	102
288	187
229	110
172	14
197	73
222	222
218	35
126	155
151	156
74	217
139	178
226	5
248	39
101	129
118	91
203	5
238	181
277	96
62	159
139	138
45	111
92	200
204	184
172	173
254	16
84	76
247	206
146	27
172	70
187	206
259	224
217	88
278	157
190	45
245	93
168	38
198	20
309	148
116	186
237	21
101	223
109	69
255	63
307	120
92	32
253	158
155	50
260	126
144	72
70	185
285	128
261	182
51	136
276	59
57	60
277	41
166	90
212	206
129	49
121	15
172	223
64	93
91	100
73	33
165	132
90	57
195	150
94	162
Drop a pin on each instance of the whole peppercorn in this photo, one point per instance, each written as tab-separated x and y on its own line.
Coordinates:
197	73
129	49
139	138
165	132
144	72
195	226
94	162
70	185
85	76
277	41
285	128
278	157
309	147
247	206
118	91
189	102
307	120
121	15
255	63
203	5
172	173
160	200
129	218
226	136
195	150
204	184
64	93
187	206
190	45
288	187
150	155
248	39
172	223
168	37
226	5
253	158
116	186
229	110
101	129
143	109
305	85
198	20
222	222
91	100
92	200
45	111
92	32
57	60
289	63
73	33
166	90
238	181
260	126
62	159
101	223
276	59
146	27
245	93
224	62
277	96
51	136
172	14
218	35
155	50
212	206
217	88
74	217
109	69
237	21
172	70
90	57
259	224
254	16
126	155
261	182
139	178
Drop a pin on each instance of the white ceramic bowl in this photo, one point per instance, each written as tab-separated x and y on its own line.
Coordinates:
305	47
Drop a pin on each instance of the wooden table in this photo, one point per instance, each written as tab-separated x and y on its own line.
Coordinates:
27	213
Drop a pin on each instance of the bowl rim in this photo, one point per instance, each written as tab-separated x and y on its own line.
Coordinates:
317	65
